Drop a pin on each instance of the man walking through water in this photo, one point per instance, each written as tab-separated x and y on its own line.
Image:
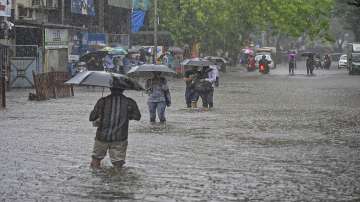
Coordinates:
292	63
191	96
206	92
111	115
310	65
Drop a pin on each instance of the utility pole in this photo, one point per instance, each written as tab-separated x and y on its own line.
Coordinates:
63	12
3	66
102	14
2	78
130	26
155	31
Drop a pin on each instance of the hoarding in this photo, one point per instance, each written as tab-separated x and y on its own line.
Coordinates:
356	47
141	4
5	8
121	3
92	41
83	7
56	38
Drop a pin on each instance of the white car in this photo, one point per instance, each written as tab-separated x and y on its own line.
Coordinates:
342	61
268	58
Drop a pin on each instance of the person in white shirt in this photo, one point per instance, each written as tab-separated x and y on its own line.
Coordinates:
108	63
215	71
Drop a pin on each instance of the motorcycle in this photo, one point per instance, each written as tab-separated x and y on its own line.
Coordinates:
264	68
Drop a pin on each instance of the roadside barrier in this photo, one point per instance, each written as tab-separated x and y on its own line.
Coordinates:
51	85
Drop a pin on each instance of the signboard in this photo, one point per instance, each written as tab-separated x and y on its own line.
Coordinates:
92	41
56	38
5	8
121	3
74	58
141	4
83	7
356	47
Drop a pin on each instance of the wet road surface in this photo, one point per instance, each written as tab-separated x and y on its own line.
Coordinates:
269	138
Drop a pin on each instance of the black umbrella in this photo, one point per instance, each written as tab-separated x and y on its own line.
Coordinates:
98	55
199	62
146	70
216	58
307	54
176	50
104	79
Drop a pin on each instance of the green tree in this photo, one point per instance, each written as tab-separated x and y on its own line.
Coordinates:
350	16
226	24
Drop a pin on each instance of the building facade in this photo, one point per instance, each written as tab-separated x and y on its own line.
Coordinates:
59	31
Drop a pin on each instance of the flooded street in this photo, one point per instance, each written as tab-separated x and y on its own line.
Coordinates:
268	138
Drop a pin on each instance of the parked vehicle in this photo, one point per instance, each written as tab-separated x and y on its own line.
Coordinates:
342	63
219	61
353	57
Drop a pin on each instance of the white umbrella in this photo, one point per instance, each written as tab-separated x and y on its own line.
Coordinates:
146	70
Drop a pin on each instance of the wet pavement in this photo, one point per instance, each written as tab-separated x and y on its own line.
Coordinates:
269	138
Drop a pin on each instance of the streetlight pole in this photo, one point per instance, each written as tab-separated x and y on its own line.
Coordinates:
63	12
155	31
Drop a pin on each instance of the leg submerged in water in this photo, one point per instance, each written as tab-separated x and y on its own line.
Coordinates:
117	153
99	153
161	107
152	111
95	163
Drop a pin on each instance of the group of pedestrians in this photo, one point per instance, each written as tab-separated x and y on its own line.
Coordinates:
312	61
200	82
111	114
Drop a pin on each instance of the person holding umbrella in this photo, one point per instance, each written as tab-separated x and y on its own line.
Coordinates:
292	63
310	65
191	95
206	92
159	97
111	114
156	87
192	78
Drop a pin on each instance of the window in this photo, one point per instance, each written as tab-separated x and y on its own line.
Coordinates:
22	11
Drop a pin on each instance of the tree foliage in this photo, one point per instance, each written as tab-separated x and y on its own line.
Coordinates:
350	15
226	24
